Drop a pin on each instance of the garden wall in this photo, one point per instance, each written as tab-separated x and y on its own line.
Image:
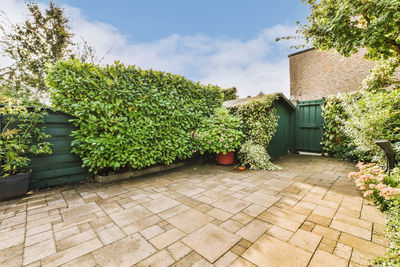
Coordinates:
315	74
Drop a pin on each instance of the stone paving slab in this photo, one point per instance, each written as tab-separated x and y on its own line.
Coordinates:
307	214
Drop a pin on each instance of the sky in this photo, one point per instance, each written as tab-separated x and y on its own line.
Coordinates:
223	42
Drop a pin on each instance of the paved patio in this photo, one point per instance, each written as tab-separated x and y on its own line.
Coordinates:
308	214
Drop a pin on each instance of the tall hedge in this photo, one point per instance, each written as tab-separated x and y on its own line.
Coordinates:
129	117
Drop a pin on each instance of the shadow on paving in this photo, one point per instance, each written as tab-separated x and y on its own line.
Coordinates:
307	214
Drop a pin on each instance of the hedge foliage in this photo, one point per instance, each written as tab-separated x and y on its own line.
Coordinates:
127	116
230	93
260	122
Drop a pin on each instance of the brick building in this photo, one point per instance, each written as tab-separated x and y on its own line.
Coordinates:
315	74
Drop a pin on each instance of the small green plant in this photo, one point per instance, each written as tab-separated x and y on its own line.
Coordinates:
21	135
256	156
392	257
220	133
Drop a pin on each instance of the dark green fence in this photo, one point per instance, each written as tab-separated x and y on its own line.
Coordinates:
309	125
283	140
61	166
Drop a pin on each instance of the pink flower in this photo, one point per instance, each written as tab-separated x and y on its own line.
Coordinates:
360	164
363	187
380	186
352	174
368	192
380	177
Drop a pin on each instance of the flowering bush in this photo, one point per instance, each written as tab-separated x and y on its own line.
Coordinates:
375	183
220	133
384	190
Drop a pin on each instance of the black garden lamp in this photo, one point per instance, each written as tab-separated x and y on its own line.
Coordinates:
389	153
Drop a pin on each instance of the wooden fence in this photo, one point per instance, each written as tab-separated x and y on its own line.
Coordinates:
61	167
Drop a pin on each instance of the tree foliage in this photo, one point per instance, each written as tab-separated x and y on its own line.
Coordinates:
348	25
44	37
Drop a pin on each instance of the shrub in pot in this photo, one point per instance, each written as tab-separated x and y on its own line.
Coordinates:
221	133
21	134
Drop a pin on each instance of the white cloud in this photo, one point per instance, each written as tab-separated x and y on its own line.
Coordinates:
254	65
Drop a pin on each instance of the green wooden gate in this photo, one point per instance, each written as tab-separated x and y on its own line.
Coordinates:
309	128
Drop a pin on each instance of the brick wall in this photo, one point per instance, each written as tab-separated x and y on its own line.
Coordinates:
315	74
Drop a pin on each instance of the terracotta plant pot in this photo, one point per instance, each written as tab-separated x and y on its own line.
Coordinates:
226	159
14	185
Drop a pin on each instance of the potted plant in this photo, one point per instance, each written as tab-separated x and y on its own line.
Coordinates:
220	134
21	135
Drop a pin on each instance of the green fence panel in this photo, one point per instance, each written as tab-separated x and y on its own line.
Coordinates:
281	142
61	167
309	125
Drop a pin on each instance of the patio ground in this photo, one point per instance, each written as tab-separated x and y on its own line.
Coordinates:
308	214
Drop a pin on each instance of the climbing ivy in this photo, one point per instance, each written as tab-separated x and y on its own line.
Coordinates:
260	122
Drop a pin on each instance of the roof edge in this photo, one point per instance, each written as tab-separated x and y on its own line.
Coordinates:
279	96
282	96
301	52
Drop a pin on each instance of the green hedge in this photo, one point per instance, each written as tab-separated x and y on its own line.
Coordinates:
128	117
230	94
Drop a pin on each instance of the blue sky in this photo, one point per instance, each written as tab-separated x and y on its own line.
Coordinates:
228	43
150	20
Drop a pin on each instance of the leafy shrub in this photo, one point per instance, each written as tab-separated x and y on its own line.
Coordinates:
20	135
128	117
220	133
393	234
353	121
335	142
255	156
259	125
371	116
